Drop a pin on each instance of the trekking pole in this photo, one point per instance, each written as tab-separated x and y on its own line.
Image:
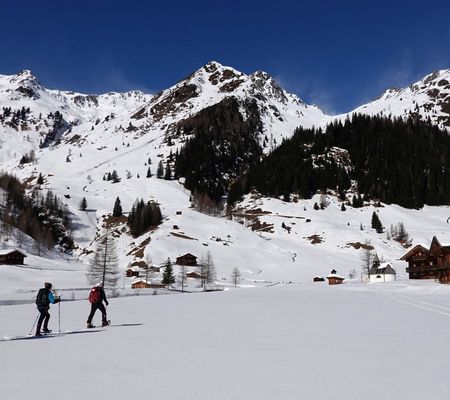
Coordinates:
33	325
59	317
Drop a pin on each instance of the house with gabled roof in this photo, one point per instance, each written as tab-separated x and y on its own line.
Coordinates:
12	257
187	259
334	279
429	263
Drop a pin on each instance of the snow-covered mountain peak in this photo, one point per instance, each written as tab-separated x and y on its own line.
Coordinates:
23	77
427	98
21	85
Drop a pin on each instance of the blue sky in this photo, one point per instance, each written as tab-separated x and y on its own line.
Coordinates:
337	54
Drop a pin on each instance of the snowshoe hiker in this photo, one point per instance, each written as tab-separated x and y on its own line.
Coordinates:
96	297
43	300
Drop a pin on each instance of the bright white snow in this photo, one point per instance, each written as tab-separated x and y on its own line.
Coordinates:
313	341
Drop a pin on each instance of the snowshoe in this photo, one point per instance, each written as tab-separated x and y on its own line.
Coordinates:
90	326
106	323
46	331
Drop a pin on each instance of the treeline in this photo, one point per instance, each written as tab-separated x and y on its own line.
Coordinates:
44	218
392	160
143	216
221	147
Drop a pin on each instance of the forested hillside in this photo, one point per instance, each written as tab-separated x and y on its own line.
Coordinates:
393	160
222	143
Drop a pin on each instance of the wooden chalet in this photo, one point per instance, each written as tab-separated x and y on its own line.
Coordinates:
142	284
132	272
432	263
194	275
14	257
187	259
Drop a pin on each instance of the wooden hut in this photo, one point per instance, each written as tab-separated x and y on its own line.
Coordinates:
132	272
12	257
142	284
187	259
194	275
334	278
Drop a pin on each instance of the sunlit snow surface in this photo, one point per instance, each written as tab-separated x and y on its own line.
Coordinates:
296	341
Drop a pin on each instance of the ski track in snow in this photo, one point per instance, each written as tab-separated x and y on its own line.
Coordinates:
435	308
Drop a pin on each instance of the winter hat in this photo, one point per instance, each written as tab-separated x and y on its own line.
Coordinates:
48	285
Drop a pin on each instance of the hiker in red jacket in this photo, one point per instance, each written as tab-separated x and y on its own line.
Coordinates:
96	297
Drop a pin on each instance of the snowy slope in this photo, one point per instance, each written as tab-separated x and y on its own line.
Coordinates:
23	90
124	132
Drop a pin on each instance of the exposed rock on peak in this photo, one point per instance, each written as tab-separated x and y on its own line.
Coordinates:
263	82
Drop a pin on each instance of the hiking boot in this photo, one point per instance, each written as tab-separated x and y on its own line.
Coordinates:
105	323
89	325
45	330
38	334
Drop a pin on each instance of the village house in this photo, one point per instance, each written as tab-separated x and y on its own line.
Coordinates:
194	275
12	257
187	259
142	284
334	278
432	263
132	272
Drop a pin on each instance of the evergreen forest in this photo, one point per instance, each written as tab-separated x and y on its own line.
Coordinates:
406	162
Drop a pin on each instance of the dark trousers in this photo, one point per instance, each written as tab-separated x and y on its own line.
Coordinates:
94	308
44	317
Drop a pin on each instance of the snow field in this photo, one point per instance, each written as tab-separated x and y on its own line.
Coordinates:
289	341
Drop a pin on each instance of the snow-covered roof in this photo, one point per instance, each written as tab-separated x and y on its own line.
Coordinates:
335	276
136	269
382	269
5	252
137	281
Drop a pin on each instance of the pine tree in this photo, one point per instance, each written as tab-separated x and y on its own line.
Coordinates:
115	177
149	172
376	223
40	179
117	210
167	277
83	204
160	170
168	173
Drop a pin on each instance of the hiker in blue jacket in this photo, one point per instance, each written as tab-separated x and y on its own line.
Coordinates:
43	300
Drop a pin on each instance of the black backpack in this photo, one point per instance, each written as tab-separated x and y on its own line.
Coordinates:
42	298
